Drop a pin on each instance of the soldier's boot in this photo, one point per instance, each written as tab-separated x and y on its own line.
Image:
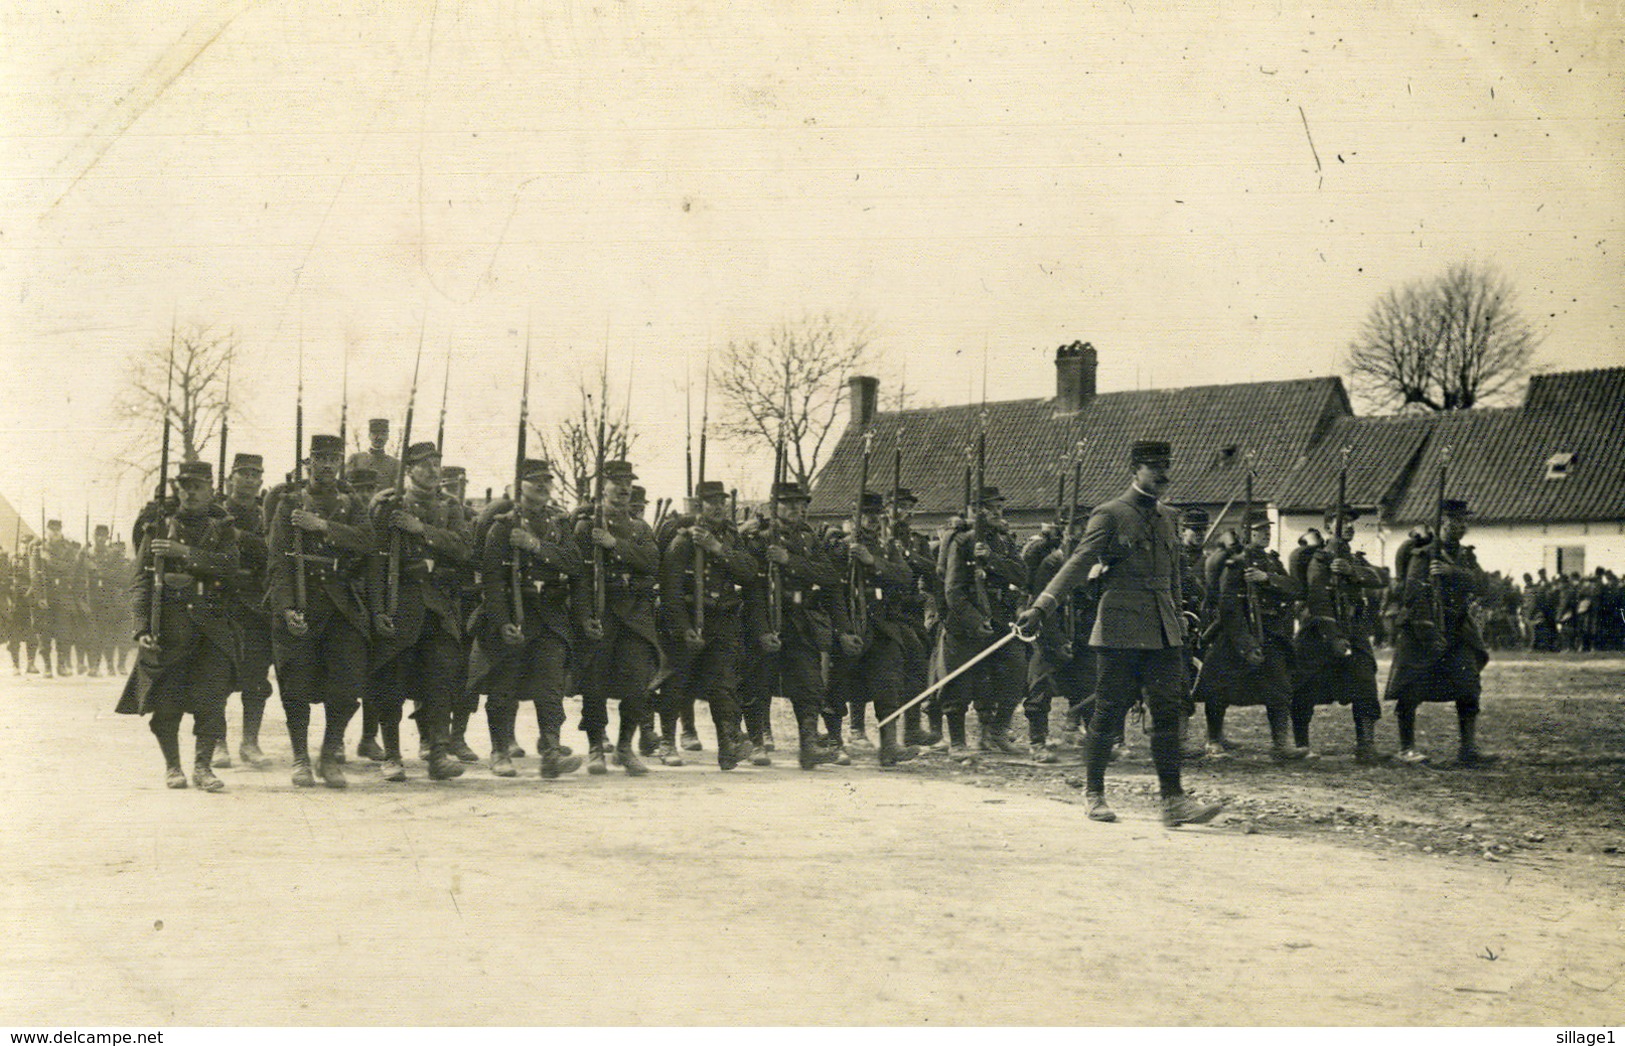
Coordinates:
1282	750
993	739
222	755
443	761
393	768
812	754
302	775
1182	809
555	761
249	750
457	741
501	728
891	752
768	744
596	752
1096	808
732	747
857	725
202	772
1217	743
1038	745
691	735
330	766
626	749
956	735
914	731
1190	749
1365	743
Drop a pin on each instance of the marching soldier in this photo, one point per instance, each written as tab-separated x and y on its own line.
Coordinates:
868	661
363	483
984	582
185	664
384	466
56	598
703	576
1249	655
1193	530
536	605
1333	661
1130	546
108	577
789	614
1438	654
245	600
413	596
318	551
624	650
465	700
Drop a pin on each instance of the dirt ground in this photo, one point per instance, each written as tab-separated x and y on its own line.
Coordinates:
1327	895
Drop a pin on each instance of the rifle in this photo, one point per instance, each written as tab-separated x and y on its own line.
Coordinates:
392	590
1338	547
699	553
344	414
775	576
600	582
1436	550
155	613
299	602
856	596
515	563
978	517
1255	621
445	387
896	487
225	427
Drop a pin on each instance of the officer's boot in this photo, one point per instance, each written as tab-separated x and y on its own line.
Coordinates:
253	716
555	762
1469	755
1281	748
443	761
812	753
626	750
393	768
956	734
457	741
891	752
202	772
1365	742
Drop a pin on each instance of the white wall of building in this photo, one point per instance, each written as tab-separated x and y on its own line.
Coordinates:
1513	549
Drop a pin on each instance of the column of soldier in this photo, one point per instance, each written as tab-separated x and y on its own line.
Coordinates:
64	606
373	583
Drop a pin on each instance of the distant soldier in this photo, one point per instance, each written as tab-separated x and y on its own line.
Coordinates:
318	552
376	459
1131	547
414	599
363	483
984	582
790	621
108	579
57	598
624	650
1333	661
1194	524
1438	654
245	600
1249	653
536	603
909	611
703	576
186	666
1062	664
868	661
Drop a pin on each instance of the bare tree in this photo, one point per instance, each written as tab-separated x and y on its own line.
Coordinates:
572	446
1447	343
196	399
803	365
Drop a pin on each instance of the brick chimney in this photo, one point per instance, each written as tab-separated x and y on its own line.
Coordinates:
865	398
1075	367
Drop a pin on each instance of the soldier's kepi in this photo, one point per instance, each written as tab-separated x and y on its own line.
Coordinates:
1131	546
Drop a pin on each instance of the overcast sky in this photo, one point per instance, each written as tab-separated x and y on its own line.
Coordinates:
1208	191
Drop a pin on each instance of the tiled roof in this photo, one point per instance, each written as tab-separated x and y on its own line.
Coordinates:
1382	452
1499	458
1027	441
